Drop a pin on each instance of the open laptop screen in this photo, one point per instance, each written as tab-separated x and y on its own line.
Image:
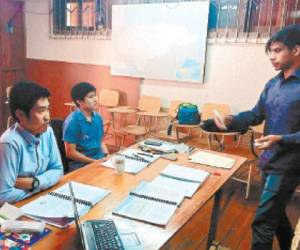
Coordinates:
76	214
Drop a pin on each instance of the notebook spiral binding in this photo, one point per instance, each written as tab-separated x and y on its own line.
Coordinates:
135	158
153	199
66	197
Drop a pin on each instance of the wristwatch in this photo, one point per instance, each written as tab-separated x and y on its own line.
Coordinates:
35	184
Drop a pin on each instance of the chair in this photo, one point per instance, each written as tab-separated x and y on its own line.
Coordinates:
207	112
149	106
172	114
72	106
189	128
108	98
256	131
57	126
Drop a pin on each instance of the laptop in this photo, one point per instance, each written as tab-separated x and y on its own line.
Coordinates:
96	234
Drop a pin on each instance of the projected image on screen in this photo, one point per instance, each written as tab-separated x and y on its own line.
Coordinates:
165	41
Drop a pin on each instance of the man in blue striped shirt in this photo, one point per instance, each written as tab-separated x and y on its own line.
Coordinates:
29	156
279	106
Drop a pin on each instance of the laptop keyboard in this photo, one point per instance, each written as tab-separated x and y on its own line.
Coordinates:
106	235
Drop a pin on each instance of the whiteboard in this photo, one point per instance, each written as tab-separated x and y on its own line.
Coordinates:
165	41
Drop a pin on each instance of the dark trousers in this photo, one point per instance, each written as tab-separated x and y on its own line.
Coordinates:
270	217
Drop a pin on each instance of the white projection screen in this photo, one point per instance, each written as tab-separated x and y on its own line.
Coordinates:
164	41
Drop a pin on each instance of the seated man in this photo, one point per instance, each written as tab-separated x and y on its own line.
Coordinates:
83	128
29	157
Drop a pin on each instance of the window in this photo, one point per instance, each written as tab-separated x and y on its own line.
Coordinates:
77	18
243	20
229	20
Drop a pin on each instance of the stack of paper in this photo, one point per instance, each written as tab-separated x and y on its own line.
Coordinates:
181	178
213	160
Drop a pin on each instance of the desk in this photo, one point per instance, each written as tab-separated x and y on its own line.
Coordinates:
123	110
71	105
153	118
152	237
221	141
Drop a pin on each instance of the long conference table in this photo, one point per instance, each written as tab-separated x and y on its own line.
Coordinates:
151	237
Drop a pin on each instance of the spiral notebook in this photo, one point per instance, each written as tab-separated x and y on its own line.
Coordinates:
151	203
180	177
135	160
56	209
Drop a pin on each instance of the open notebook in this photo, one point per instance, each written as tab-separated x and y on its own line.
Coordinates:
135	160
56	209
150	203
183	178
211	159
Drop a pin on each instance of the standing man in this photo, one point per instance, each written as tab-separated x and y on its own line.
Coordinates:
83	128
29	156
279	106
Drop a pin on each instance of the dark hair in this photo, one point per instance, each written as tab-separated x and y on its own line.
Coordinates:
23	95
289	36
80	91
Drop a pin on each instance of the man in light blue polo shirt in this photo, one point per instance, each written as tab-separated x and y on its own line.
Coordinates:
83	128
29	156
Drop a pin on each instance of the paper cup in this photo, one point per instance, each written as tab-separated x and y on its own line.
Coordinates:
119	164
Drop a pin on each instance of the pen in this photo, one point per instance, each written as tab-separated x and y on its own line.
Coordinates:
145	154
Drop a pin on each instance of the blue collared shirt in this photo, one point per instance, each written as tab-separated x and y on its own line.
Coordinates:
279	106
25	155
86	135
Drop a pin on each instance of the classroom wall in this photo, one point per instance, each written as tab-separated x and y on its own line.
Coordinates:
59	77
12	52
235	73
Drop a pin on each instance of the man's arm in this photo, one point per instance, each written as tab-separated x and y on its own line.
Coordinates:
54	169
9	165
74	154
105	152
266	142
245	119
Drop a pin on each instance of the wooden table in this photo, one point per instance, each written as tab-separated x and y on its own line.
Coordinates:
152	237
